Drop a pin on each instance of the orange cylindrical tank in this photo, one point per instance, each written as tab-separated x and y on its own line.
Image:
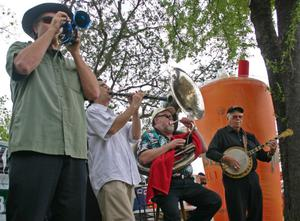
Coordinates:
259	119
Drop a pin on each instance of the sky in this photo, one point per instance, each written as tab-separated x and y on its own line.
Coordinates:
18	7
256	65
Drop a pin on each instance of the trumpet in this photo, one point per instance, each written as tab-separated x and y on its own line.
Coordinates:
81	20
146	96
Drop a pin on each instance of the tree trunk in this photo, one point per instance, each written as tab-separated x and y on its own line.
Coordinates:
291	150
284	78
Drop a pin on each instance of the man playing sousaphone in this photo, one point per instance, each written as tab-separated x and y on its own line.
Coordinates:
243	194
166	188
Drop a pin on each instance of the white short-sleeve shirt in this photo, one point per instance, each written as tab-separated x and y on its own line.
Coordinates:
109	157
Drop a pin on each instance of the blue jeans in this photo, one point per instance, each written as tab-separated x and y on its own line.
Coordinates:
206	201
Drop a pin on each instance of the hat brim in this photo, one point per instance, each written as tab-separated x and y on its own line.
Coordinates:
171	110
234	109
34	13
159	110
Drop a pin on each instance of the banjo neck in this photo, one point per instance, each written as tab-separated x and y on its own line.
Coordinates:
258	148
288	132
244	157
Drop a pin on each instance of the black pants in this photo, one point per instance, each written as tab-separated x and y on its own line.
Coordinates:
46	187
243	198
92	208
206	201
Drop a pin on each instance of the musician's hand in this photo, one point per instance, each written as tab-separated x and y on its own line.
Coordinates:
176	143
58	20
136	99
75	46
231	162
273	146
202	179
187	122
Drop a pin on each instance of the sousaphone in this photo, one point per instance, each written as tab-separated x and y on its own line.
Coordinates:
186	97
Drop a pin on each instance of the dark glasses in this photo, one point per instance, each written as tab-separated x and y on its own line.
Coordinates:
170	117
237	116
46	19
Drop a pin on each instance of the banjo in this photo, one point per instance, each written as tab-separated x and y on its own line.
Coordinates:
244	157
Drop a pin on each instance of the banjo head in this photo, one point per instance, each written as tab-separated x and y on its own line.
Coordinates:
244	160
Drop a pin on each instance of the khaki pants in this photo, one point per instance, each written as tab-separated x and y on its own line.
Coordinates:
116	200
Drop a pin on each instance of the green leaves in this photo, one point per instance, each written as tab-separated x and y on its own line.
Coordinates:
194	25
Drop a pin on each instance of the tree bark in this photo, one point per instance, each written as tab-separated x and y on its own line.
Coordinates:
291	151
284	77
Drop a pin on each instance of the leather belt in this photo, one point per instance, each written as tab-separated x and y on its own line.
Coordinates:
181	176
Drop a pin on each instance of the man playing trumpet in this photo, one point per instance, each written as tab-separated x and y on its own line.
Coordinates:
47	147
167	188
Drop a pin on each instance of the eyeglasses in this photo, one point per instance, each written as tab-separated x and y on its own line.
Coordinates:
170	117
46	19
237	116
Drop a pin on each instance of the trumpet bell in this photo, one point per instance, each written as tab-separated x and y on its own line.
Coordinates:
82	19
186	94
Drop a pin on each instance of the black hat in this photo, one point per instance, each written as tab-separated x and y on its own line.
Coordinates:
34	13
235	108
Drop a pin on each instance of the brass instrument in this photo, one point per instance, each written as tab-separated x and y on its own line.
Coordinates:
188	98
186	94
187	157
80	20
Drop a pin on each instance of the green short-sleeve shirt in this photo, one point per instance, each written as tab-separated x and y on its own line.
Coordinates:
48	107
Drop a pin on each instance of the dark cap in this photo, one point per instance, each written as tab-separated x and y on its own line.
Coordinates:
234	109
34	13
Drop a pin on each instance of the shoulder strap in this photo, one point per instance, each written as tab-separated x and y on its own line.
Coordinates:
245	140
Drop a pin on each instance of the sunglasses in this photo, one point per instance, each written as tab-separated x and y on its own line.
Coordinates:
46	19
237	116
170	117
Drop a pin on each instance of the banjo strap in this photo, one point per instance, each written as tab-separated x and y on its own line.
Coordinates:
245	141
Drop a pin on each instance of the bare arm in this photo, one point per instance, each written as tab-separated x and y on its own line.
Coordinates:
123	118
30	57
87	78
149	155
136	126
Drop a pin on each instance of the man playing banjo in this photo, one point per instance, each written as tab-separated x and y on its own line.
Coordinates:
242	191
